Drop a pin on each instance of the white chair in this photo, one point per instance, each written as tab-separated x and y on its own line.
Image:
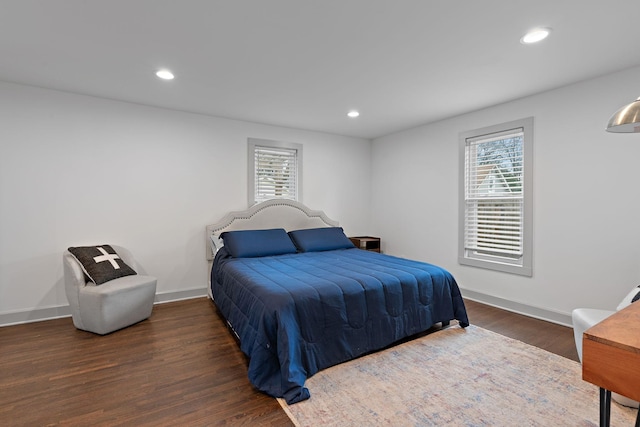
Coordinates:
112	305
584	318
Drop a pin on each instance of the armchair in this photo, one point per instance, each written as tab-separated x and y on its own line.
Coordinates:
112	305
584	318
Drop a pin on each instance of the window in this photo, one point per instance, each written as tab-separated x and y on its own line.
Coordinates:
495	197
275	170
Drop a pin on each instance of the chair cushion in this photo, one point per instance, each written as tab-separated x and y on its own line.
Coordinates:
101	263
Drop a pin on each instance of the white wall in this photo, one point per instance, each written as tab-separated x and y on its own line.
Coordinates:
78	170
586	199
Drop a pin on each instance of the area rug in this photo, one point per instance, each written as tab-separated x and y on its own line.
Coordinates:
454	377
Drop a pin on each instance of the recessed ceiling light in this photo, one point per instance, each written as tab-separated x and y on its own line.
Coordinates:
353	114
165	74
535	35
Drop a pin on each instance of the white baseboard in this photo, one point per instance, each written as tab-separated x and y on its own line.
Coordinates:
48	313
35	315
552	316
180	295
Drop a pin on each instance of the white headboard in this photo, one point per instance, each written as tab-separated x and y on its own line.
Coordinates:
275	213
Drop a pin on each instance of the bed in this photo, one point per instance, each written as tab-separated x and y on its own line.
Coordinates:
301	298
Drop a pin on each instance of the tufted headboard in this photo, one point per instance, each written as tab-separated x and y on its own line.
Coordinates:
275	213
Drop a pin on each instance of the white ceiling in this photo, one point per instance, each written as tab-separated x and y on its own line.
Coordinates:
306	63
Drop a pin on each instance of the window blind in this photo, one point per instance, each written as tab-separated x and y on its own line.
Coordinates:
494	197
276	171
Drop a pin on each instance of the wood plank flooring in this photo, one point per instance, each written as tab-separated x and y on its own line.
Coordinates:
179	367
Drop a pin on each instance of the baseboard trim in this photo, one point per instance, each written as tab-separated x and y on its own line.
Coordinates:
552	316
48	313
180	295
35	315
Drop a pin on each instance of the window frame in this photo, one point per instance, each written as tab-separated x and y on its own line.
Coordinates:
253	143
523	264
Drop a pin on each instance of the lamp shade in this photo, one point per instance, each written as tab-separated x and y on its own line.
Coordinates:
626	119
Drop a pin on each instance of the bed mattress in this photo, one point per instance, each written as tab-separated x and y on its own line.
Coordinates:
296	314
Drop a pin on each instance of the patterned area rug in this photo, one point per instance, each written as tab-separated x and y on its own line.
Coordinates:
455	377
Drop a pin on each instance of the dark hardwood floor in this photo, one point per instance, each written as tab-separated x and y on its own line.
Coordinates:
552	337
179	367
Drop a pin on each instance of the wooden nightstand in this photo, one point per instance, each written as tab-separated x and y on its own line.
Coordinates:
367	243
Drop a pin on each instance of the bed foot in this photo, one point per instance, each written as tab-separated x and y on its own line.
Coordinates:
446	323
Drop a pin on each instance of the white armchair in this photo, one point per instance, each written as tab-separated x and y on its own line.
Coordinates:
584	318
112	305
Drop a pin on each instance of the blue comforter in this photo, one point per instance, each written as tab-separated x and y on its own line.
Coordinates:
296	314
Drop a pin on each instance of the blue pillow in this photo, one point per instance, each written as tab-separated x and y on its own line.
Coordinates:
320	239
256	243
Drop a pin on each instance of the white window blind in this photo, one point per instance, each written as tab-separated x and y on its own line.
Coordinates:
494	196
276	173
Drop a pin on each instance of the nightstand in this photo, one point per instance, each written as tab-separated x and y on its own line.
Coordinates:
367	243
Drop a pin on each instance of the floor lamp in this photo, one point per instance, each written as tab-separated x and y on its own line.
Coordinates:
626	119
